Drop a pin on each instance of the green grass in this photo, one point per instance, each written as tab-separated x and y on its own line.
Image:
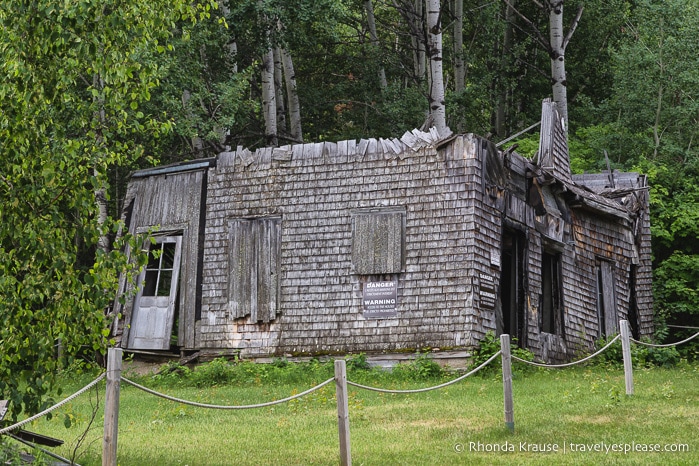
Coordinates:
584	405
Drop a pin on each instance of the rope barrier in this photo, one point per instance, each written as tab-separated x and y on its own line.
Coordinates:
664	345
568	363
54	407
205	405
427	389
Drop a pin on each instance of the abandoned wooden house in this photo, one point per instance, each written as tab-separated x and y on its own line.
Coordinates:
388	245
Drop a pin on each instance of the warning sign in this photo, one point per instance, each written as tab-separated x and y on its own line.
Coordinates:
380	299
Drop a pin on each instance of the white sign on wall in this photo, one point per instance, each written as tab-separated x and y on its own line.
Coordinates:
380	299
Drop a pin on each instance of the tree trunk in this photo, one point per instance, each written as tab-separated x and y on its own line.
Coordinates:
459	68
101	189
196	142
558	70
371	22
434	52
269	104
417	38
661	91
279	90
503	84
293	97
232	46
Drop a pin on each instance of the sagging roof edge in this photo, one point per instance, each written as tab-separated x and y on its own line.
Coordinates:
414	140
179	167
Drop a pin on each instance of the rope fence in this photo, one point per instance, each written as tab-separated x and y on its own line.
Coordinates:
653	345
427	389
54	407
114	378
569	364
210	406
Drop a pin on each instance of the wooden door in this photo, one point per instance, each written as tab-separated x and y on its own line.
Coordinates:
154	306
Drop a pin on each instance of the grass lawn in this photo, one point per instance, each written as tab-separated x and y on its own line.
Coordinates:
567	410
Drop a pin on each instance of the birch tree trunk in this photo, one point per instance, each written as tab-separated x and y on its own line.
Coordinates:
232	46
558	70
293	97
417	33
501	106
279	91
459	68
233	55
269	100
100	189
196	142
434	52
371	23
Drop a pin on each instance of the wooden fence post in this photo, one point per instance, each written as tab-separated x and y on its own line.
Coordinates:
111	407
342	412
626	351
507	382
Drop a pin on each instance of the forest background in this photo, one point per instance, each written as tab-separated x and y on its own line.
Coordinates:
93	90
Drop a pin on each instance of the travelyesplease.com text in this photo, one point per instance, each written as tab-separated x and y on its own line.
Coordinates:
569	447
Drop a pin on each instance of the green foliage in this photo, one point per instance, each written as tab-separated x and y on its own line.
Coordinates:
641	355
9	452
13	453
527	145
73	79
222	371
422	367
357	362
489	345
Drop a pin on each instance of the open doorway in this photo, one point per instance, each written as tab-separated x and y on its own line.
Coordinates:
512	317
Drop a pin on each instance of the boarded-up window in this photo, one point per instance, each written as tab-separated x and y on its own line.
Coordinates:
551	302
253	288
377	241
606	303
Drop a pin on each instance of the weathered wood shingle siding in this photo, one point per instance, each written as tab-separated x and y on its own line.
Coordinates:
315	192
639	254
293	234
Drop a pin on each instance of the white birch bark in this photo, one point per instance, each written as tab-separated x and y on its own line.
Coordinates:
501	107
269	104
101	189
279	90
459	67
233	55
371	23
417	39
558	70
232	46
434	52
293	97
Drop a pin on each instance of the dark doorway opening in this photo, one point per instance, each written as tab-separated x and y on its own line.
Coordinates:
513	317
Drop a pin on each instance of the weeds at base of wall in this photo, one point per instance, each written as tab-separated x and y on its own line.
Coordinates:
489	345
222	371
641	356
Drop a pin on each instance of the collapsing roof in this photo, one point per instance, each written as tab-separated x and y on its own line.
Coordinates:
388	245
